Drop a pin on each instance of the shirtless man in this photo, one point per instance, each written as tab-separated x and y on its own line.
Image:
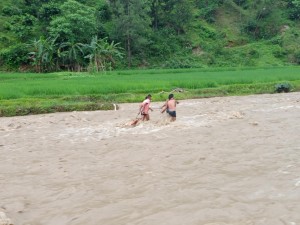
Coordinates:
170	107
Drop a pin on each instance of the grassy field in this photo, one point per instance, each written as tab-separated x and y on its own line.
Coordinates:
27	93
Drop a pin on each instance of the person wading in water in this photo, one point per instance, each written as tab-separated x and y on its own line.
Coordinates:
170	107
145	107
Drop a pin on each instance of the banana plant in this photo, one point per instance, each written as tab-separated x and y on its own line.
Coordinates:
102	54
43	54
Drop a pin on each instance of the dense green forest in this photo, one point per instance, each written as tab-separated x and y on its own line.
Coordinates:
100	35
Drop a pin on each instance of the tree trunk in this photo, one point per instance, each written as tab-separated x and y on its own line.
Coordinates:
129	51
128	39
155	14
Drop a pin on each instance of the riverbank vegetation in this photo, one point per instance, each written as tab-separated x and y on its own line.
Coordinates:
31	93
103	35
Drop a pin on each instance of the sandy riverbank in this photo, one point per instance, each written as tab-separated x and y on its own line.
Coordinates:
225	161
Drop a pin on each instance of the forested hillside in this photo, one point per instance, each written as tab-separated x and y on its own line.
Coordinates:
97	35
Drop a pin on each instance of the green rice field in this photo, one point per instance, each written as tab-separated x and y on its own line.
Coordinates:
29	93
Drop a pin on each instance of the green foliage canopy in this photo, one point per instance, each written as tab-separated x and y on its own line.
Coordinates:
151	33
75	23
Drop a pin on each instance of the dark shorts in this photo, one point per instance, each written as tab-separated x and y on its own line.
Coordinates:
171	113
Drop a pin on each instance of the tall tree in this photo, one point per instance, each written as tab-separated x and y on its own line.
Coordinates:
132	24
22	26
294	9
174	14
76	23
208	8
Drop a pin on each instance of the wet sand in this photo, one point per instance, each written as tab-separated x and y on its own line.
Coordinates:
225	161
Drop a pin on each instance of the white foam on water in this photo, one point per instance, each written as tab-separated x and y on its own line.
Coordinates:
87	133
114	129
297	184
109	130
271	109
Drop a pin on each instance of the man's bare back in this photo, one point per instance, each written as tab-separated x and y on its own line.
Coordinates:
170	107
171	104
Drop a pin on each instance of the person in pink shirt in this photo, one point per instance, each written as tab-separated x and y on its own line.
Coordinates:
145	107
